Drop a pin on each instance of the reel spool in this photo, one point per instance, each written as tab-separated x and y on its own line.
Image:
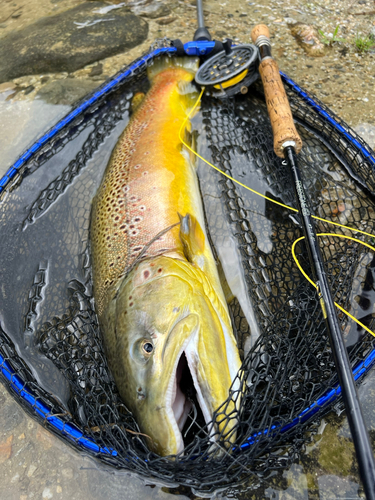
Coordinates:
231	71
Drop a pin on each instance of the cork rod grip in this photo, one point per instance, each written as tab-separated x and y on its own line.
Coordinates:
277	101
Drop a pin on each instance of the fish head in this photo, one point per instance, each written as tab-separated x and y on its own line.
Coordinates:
167	331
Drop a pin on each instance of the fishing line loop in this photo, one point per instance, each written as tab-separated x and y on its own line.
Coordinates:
288	208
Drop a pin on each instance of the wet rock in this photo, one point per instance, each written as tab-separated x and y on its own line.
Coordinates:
337	487
297	485
96	70
307	37
66	91
7	86
70	40
29	89
151	10
101	484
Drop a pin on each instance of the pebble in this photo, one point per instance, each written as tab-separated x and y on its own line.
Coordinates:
307	37
6	449
166	20
96	70
68	473
47	494
31	470
15	478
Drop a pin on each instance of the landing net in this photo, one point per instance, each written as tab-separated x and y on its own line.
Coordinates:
51	353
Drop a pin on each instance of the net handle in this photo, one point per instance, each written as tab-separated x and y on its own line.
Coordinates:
284	131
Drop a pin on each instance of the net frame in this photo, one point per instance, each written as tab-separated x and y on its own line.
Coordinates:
20	380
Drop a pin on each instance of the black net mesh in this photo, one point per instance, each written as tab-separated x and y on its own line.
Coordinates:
48	326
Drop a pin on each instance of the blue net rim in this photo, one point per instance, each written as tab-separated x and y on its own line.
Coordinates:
40	409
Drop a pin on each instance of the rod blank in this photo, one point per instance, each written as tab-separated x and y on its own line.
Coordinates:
286	144
202	32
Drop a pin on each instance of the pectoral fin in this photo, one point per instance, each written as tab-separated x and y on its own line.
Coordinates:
198	252
192	238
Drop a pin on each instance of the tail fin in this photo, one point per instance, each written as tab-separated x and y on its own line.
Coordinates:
190	64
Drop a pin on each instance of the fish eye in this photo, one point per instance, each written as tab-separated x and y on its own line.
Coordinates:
147	347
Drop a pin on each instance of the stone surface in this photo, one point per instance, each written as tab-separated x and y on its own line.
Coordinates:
12	415
332	487
66	91
96	70
7	86
30	469
151	10
69	41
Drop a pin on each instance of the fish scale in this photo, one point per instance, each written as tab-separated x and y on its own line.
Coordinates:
125	217
158	296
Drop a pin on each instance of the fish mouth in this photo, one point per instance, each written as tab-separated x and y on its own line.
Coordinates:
185	394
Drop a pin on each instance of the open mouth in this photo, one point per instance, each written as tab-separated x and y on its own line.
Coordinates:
190	410
182	393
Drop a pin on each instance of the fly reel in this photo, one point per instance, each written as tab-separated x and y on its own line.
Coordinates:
229	72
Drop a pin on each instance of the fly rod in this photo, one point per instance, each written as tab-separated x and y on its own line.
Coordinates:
287	144
202	32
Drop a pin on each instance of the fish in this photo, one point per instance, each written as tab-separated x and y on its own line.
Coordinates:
160	305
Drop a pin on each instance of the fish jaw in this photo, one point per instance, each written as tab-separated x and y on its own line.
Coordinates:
170	310
164	414
211	359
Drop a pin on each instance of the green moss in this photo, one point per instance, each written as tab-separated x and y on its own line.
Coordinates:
336	453
311	482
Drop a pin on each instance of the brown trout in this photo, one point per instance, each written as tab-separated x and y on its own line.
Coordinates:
158	296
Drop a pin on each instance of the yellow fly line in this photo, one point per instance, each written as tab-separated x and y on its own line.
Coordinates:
287	207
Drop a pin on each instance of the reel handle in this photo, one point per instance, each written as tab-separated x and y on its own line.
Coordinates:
284	130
